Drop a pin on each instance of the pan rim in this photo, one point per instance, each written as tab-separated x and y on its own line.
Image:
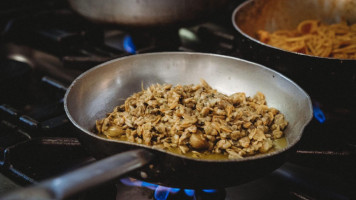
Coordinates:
241	6
245	159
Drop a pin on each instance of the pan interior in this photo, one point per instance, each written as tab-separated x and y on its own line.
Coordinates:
100	89
272	15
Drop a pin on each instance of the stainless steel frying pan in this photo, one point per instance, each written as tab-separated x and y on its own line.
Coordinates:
99	90
145	12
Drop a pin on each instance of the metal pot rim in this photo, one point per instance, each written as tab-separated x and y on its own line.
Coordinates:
241	6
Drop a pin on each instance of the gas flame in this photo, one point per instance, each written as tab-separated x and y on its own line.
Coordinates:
162	192
318	114
129	45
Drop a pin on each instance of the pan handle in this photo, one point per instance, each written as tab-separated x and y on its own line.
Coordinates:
84	178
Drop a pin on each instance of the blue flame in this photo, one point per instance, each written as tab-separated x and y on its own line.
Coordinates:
161	193
189	192
129	45
318	114
149	185
209	191
131	182
175	190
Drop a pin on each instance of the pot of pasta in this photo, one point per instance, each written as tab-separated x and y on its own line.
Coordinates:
313	42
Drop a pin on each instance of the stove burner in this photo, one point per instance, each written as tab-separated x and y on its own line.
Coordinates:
168	193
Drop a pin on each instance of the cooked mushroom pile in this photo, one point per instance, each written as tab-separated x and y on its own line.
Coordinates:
196	119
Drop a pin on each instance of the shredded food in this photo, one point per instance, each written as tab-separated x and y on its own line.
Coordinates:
196	119
315	38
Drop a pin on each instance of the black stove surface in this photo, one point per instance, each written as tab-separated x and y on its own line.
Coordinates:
45	47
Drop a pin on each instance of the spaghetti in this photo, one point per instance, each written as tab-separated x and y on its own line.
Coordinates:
315	38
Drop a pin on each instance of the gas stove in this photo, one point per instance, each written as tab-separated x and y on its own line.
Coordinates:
44	46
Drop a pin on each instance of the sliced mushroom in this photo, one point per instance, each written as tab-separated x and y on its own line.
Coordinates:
197	141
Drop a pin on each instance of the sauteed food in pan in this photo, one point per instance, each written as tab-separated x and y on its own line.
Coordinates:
99	90
197	121
315	38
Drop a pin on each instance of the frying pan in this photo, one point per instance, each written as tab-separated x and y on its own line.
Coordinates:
97	91
325	78
145	12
